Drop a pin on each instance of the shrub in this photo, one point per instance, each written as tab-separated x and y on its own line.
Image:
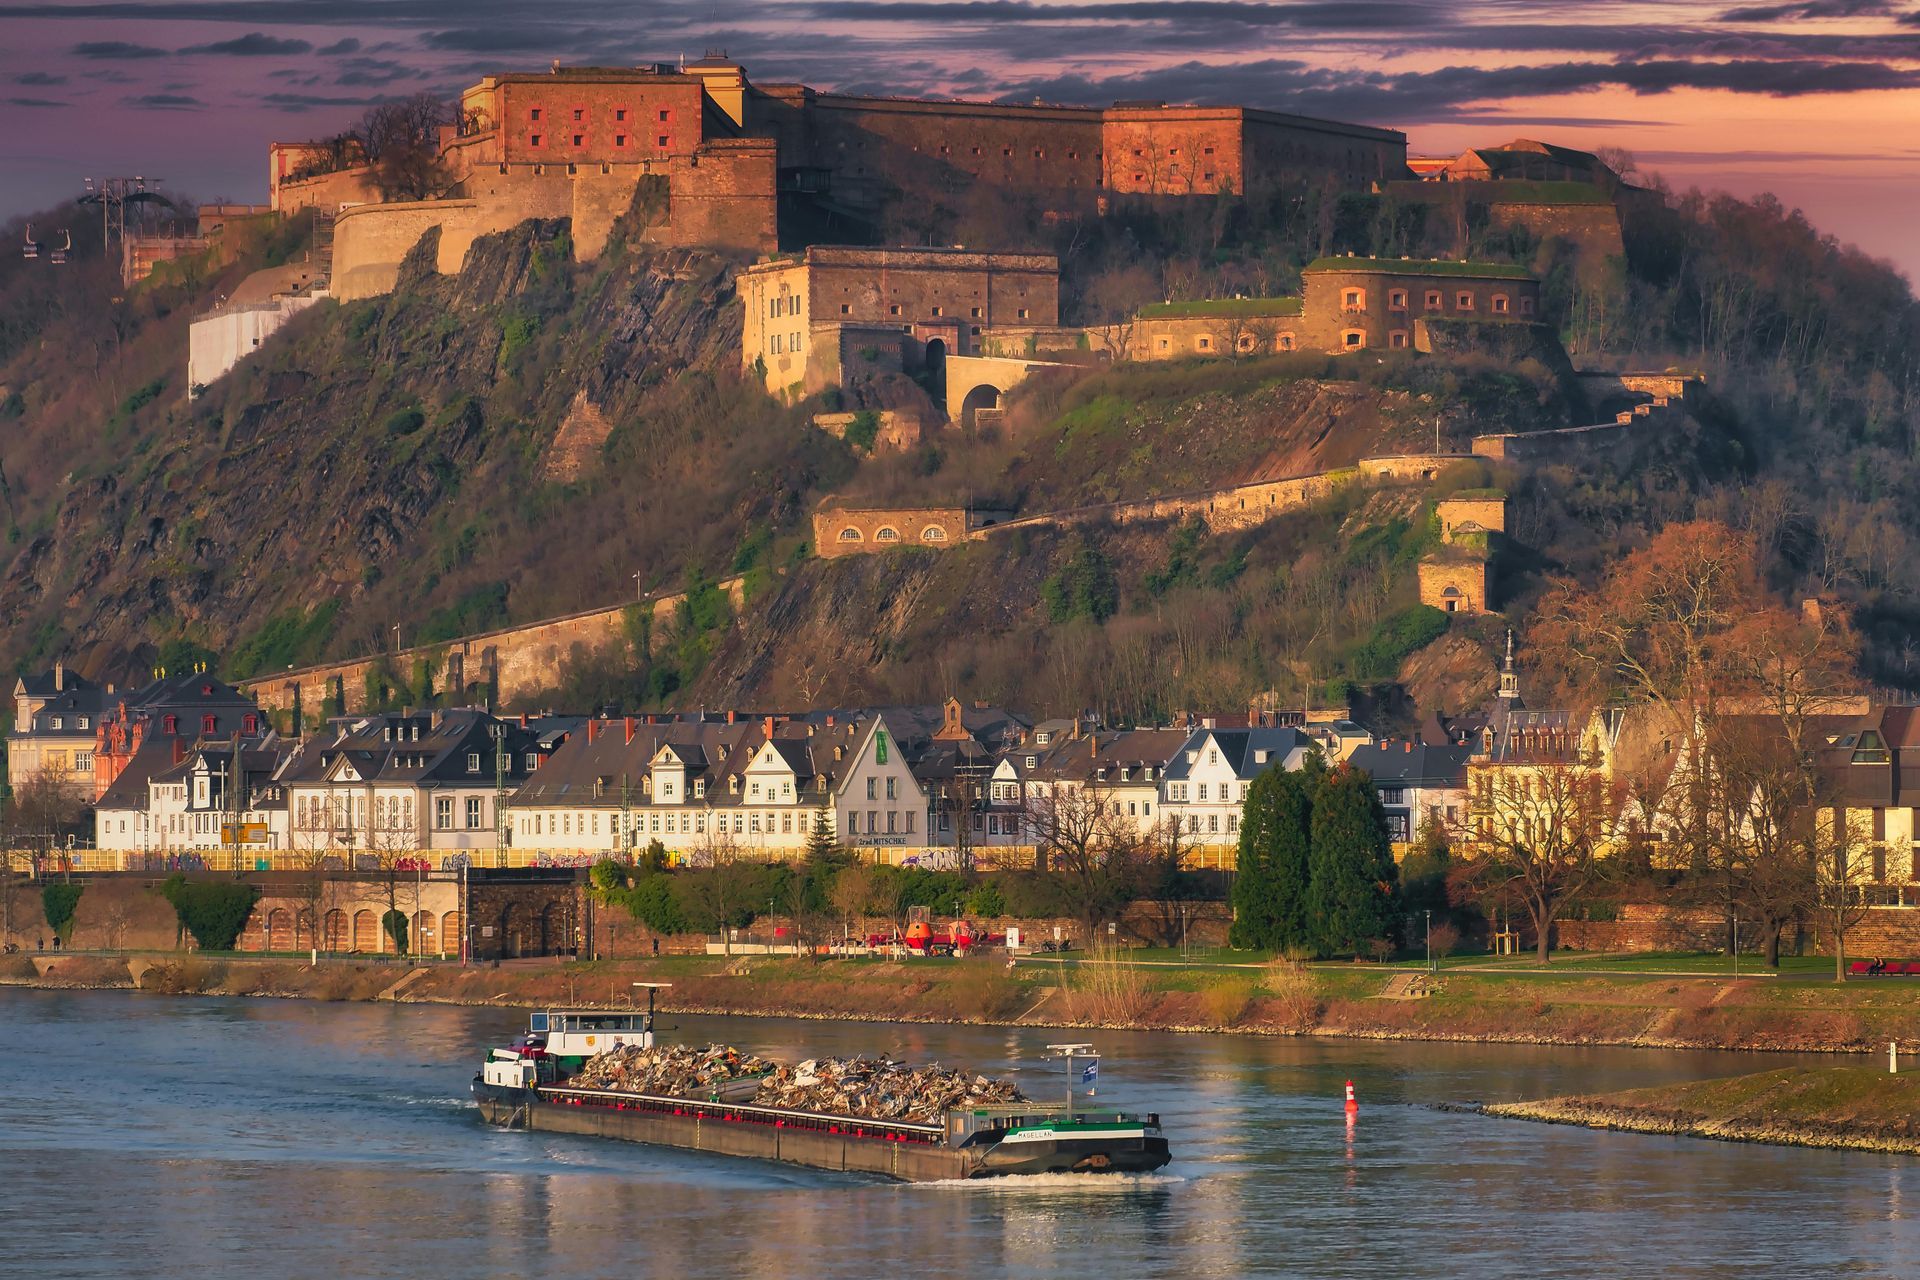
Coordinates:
395	923
1106	990
1226	1002
864	430
404	422
59	900
1293	994
1443	940
213	911
985	901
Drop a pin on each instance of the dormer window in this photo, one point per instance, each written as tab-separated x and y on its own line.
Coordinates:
1193	757
699	788
733	785
1032	761
53	722
80	722
473	762
207	724
533	761
1041	739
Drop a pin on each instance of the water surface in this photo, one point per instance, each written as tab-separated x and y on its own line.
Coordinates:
148	1136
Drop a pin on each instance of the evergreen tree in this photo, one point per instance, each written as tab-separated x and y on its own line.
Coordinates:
1270	885
820	864
1353	881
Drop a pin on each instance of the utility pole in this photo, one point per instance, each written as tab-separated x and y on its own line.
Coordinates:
233	802
499	795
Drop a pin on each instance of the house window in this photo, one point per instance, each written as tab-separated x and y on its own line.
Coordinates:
1393	795
1463	301
53	722
473	762
81	722
1397	339
1500	304
473	812
83	760
443	812
1434	300
892	784
207	724
533	761
1396	299
252	723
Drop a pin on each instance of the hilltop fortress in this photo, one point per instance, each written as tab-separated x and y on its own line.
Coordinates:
752	167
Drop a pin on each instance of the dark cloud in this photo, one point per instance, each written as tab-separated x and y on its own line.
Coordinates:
340	47
1361	15
308	101
255	44
374	72
115	50
1808	9
1420	96
39	78
34	102
169	101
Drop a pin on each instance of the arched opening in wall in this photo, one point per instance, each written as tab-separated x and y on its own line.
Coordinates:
984	396
280	929
449	933
336	930
553	931
511	944
933	533
849	534
420	936
886	533
936	363
1452	600
366	932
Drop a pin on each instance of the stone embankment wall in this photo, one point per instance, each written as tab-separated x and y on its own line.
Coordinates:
1890	933
507	663
1569	444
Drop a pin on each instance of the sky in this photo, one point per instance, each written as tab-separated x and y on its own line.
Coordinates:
1817	101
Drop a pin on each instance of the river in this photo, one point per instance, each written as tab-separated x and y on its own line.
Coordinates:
148	1136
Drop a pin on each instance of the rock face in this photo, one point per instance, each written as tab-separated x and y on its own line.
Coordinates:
437	450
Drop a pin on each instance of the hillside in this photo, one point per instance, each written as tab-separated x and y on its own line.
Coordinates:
535	436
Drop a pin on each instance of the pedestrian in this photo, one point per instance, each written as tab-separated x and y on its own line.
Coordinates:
656	946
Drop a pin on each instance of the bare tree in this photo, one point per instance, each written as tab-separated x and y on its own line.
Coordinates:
401	141
1536	834
1097	856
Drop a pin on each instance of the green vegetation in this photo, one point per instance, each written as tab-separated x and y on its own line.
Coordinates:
1393	639
394	922
1084	587
59	901
864	430
292	637
1270	885
213	911
479	608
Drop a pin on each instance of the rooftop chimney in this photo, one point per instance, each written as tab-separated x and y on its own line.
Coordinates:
59	675
769	726
1409	746
593	730
523	719
729	715
829	720
629	723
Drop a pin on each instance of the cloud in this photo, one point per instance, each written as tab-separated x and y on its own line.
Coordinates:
1807	9
1361	15
34	102
340	47
168	101
309	101
39	78
255	44
115	50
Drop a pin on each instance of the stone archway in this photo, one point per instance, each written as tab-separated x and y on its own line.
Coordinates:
935	360
982	396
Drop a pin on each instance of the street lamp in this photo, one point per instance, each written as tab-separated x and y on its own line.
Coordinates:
1429	915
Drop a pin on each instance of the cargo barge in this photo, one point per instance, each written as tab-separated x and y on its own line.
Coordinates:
526	1086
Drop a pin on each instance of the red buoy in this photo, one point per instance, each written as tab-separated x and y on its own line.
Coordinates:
1352	1105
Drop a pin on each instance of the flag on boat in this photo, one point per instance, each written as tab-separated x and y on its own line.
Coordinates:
1090	1072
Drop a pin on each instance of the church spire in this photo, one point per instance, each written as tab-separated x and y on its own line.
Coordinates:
1509	678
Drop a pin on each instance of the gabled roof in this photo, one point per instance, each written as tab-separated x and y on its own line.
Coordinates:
1412	764
1248	752
129	790
45	684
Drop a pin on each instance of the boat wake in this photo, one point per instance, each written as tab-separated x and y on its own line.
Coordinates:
1026	1183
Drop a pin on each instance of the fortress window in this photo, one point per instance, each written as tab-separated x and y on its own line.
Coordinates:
1173	151
894	310
1006	151
1434	301
1245	343
976	151
663	139
619	139
886	533
533	139
665	115
1138	151
534	115
1203	344
1023	313
1463	300
1397	339
1139	177
1206	151
1353	339
945	149
1500	304
976	313
1207	176
1283	343
579	113
620	113
579	139
1163	344
1038	154
1526	306
939	311
849	534
933	533
1353	299
1073	155
1396	299
846	308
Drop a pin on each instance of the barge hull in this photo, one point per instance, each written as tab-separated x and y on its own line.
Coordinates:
906	1161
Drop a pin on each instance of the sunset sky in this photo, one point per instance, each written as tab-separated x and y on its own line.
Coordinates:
1818	101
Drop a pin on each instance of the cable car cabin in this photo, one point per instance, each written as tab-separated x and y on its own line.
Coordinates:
32	248
59	252
574	1035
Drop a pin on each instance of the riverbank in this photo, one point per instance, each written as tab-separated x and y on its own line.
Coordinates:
1854	1108
1647	1011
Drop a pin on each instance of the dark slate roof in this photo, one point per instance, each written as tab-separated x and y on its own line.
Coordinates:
422	748
1101	757
69	706
129	790
41	684
1404	764
1241	749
